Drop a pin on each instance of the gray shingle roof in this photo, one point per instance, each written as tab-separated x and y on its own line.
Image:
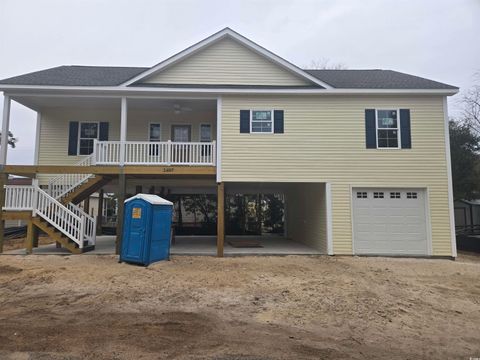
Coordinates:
114	76
77	76
375	79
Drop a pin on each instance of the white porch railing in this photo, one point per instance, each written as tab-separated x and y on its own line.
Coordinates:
136	153
73	221
155	153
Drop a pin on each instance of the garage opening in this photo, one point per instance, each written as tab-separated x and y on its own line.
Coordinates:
286	217
390	221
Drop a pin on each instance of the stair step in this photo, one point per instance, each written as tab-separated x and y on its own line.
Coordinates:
88	248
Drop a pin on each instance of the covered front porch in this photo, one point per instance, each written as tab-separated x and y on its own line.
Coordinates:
77	130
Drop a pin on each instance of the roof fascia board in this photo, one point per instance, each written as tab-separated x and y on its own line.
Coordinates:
9	89
216	37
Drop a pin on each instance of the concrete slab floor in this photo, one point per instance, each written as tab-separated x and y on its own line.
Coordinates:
194	245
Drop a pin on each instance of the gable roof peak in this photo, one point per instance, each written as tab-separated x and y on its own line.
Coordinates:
279	61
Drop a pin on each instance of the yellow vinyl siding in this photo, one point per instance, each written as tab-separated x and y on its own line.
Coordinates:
324	141
54	128
226	62
306	215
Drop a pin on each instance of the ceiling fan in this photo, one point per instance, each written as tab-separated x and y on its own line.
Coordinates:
177	108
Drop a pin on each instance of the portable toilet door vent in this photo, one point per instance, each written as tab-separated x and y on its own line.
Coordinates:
146	229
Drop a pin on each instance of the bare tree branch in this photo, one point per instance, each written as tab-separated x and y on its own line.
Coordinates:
471	106
324	63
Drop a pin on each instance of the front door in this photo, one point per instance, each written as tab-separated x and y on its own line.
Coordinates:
180	152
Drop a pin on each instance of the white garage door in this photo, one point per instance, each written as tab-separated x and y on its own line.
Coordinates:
389	221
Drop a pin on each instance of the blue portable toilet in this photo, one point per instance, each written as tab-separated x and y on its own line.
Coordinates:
146	229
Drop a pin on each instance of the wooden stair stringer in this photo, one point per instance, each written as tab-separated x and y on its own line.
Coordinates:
84	190
58	236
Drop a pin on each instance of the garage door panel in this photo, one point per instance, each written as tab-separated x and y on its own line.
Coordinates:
390	226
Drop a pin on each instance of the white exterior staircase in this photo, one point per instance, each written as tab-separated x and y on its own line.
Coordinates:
66	223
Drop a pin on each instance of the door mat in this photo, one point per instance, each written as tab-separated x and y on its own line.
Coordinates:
245	243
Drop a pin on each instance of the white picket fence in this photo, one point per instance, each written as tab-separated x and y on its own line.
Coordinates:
71	221
155	153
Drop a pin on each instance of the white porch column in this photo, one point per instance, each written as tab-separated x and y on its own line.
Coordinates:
37	138
5	128
123	130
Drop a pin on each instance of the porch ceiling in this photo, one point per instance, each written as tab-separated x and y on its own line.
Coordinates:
39	102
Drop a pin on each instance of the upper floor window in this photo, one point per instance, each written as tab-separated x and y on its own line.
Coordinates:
387	129
154	132
88	131
205	132
261	121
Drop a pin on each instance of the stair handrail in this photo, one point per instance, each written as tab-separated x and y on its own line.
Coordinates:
90	222
61	185
57	214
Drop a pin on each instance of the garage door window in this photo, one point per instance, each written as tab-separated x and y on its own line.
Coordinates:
361	195
411	195
395	195
378	195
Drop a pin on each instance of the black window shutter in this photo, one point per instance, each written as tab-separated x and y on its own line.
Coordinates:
278	121
72	137
103	134
370	129
245	121
405	132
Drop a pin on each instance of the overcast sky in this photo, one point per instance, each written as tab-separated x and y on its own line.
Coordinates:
437	39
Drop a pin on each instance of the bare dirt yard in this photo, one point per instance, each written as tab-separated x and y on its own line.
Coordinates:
294	307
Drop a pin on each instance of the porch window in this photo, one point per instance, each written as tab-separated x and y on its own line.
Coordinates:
387	129
261	121
206	136
154	132
154	135
88	132
205	133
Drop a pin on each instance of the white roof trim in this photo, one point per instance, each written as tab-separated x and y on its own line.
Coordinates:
152	199
241	39
115	91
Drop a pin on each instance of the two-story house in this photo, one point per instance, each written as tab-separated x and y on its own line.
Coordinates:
361	157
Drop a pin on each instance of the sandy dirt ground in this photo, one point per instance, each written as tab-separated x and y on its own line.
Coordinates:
294	307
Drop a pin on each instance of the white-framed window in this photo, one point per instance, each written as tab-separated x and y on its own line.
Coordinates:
154	132
205	133
154	135
87	133
261	121
388	128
